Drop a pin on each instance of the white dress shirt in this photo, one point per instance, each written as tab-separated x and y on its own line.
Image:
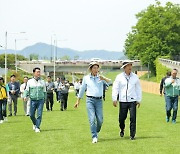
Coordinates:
127	87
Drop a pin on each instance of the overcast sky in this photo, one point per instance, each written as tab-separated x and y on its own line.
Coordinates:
85	24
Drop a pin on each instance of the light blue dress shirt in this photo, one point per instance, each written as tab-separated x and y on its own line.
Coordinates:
93	85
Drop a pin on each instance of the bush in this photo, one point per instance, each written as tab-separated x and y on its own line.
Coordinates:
161	70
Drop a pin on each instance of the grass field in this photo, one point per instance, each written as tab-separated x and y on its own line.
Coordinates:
69	132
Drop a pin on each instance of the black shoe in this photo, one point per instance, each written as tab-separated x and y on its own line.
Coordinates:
14	114
132	138
122	133
10	115
61	109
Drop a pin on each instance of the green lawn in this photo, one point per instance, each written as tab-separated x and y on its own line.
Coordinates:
69	132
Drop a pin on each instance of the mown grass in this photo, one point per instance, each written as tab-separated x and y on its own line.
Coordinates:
69	132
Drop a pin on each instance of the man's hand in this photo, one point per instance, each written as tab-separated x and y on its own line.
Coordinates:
101	77
138	104
12	92
25	99
173	81
76	105
104	78
115	103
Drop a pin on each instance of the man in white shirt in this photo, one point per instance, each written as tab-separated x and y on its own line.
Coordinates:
26	103
127	88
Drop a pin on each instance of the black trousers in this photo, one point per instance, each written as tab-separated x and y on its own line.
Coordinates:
50	101
64	99
57	95
123	110
1	114
77	92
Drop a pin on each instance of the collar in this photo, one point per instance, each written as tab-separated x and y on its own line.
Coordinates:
92	76
37	79
127	75
173	78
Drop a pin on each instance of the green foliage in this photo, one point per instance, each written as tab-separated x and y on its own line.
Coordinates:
68	132
157	33
161	70
76	57
33	56
151	78
10	60
66	57
19	75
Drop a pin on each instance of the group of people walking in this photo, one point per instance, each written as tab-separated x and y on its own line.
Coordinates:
126	91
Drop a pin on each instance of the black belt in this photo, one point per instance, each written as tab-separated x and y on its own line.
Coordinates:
95	97
129	102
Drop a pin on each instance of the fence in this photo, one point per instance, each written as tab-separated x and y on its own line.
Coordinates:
150	87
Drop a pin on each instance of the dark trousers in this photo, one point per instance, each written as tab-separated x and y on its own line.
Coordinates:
50	101
64	99
77	92
4	106
57	95
123	110
1	114
13	98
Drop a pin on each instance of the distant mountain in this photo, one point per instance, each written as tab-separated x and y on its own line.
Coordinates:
46	51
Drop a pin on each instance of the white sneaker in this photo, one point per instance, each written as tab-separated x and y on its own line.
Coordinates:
5	119
37	130
34	127
94	140
1	121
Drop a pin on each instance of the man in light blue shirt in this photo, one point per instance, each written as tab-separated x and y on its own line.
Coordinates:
93	85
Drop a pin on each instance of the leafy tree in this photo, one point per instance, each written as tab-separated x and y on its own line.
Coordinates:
10	60
33	56
76	57
65	58
157	33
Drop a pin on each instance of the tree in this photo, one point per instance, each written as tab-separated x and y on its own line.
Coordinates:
76	57
10	60
33	56
157	33
65	58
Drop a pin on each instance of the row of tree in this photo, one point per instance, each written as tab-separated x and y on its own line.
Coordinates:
157	33
10	60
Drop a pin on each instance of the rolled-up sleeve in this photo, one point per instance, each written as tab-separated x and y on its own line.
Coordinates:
83	88
115	89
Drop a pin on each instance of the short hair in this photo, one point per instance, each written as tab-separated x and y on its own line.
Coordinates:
175	70
12	76
63	78
168	73
26	77
48	76
1	78
36	68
